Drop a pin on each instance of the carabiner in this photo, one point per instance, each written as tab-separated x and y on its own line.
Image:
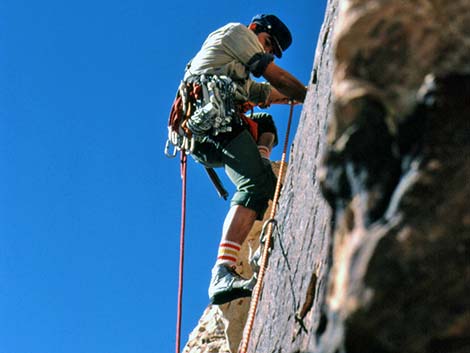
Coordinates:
167	150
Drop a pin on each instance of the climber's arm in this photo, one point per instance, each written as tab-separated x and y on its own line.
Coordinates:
285	85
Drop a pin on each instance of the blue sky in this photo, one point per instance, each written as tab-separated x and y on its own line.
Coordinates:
89	205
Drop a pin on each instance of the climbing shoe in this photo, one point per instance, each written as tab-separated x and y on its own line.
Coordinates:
227	285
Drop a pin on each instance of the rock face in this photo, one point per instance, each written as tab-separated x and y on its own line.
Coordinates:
209	335
395	173
295	288
401	284
371	251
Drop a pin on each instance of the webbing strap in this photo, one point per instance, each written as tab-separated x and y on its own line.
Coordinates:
181	262
264	258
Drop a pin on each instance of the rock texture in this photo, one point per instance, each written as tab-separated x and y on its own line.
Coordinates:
402	283
395	173
290	309
209	336
371	251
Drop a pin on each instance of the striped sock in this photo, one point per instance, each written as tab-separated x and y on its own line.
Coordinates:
228	253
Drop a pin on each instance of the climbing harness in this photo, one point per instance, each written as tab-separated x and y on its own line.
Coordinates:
181	262
268	237
204	105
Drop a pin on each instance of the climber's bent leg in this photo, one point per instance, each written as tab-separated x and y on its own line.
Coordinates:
255	184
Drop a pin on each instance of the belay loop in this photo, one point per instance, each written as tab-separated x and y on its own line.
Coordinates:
203	105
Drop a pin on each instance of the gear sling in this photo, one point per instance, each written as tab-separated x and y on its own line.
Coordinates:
205	105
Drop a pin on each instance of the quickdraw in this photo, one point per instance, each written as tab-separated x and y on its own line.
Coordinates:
216	108
203	106
178	133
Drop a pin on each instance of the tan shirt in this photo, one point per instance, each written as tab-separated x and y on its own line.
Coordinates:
227	51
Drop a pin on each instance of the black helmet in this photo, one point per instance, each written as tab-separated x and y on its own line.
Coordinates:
277	29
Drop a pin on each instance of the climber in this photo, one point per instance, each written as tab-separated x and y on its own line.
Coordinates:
243	147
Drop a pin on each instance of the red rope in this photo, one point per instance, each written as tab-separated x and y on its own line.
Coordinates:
264	259
181	263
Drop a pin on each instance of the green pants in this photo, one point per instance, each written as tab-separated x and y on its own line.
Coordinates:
239	156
